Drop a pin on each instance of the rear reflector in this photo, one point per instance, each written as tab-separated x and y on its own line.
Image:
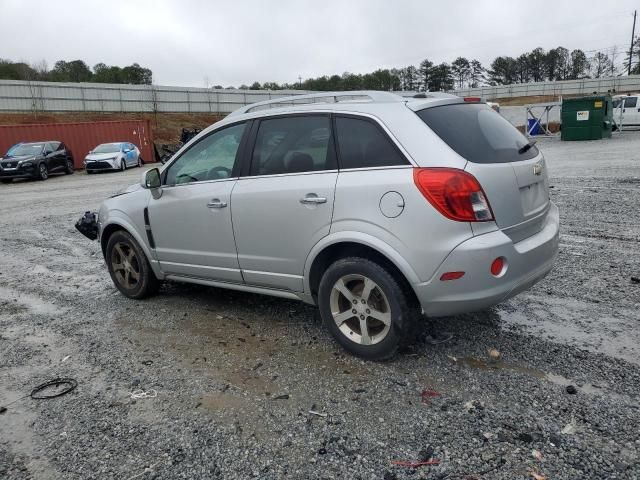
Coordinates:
451	276
496	266
472	99
455	193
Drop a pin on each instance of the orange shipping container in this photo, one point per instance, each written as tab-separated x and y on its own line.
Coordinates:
82	137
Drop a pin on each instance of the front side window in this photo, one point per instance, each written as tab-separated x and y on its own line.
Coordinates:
362	144
293	145
212	158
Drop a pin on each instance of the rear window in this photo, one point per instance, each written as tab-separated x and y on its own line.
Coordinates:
477	133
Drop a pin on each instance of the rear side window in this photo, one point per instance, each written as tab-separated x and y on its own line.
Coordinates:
477	133
630	102
293	145
362	144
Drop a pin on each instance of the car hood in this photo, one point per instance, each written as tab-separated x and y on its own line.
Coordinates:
18	158
130	189
102	156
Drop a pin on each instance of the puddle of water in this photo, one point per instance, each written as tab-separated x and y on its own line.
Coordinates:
34	304
560	380
573	322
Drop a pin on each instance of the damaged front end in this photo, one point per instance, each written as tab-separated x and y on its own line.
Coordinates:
88	225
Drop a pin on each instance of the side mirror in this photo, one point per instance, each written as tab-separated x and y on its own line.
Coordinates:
151	179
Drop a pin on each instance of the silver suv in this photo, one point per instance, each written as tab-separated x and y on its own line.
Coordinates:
374	207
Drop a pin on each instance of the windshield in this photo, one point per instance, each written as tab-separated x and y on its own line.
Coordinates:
107	148
25	149
477	133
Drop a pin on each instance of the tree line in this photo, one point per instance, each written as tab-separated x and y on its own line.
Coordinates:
75	71
534	66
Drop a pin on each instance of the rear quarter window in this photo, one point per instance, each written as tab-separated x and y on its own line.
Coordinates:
363	144
477	133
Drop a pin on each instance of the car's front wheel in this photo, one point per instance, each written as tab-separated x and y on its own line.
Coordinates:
43	172
366	308
140	161
69	167
129	267
123	166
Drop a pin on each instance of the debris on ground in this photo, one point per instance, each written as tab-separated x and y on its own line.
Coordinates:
69	384
571	390
139	394
494	354
427	394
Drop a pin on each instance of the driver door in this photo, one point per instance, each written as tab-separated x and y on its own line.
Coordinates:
191	221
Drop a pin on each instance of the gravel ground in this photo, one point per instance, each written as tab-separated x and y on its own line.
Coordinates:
236	375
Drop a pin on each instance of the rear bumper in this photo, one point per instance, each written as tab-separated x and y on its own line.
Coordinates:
528	261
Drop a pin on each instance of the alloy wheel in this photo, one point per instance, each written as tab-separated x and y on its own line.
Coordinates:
44	173
360	309
126	265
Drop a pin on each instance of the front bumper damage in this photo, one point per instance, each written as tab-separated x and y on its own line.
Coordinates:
88	225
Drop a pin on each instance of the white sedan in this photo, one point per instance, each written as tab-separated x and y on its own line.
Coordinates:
113	156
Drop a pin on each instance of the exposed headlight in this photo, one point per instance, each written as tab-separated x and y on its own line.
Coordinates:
26	164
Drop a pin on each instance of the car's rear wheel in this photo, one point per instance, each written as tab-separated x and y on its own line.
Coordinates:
129	267
69	168
365	308
43	172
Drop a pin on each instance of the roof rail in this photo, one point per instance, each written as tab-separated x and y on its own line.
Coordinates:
324	97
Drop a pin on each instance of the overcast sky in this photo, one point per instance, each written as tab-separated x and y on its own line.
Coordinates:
185	42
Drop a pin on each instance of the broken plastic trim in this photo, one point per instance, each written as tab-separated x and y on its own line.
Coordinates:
88	225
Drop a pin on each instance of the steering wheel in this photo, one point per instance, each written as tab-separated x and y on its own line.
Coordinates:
216	170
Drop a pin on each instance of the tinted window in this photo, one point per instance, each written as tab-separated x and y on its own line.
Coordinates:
363	144
61	147
477	133
212	158
630	102
293	145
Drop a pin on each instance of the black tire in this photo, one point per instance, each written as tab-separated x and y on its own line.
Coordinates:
43	172
69	168
402	310
140	161
147	284
6	180
89	172
123	166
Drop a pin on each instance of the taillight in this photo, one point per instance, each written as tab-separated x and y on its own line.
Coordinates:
455	193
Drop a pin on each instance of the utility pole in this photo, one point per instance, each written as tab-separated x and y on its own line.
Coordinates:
633	34
299	81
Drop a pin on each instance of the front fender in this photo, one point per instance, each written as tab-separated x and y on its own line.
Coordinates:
364	239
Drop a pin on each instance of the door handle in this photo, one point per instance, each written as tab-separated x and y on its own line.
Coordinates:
312	199
216	203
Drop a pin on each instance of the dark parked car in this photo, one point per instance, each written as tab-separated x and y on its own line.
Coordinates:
35	160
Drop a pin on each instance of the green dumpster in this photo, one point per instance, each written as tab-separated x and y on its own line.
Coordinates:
587	118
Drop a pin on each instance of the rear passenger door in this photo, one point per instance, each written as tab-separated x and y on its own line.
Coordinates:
283	204
57	159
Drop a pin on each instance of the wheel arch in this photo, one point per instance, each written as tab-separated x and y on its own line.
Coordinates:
121	224
328	251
